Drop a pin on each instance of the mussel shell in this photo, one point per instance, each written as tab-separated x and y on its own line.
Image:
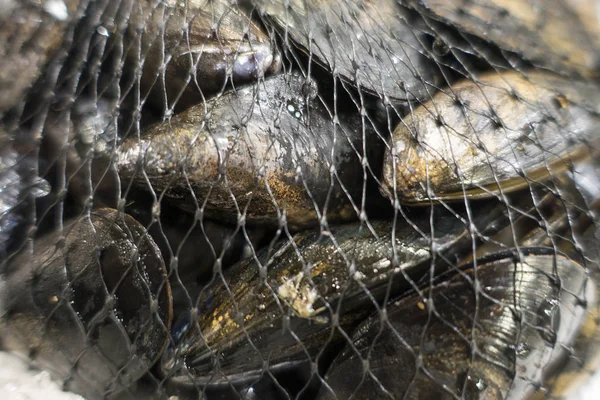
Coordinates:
11	184
584	354
263	152
493	331
499	133
580	194
89	130
193	250
309	288
588	11
548	33
565	208
20	187
91	303
371	44
204	45
30	35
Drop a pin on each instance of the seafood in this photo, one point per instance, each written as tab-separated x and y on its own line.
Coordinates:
90	303
30	35
193	250
548	33
584	357
202	45
372	44
495	135
588	12
564	210
301	283
264	154
90	176
18	186
204	200
510	314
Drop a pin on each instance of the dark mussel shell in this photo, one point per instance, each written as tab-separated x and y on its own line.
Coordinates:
495	135
304	292
268	153
576	233
495	330
565	208
90	303
564	220
193	49
31	33
193	250
584	354
547	33
372	44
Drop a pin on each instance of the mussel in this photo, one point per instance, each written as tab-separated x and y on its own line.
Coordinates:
20	186
375	45
584	354
495	330
271	153
89	130
494	135
194	49
10	181
30	35
90	303
284	308
193	250
547	33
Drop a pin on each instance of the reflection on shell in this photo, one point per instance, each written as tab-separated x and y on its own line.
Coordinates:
503	132
301	282
92	306
201	55
512	318
547	33
263	152
346	38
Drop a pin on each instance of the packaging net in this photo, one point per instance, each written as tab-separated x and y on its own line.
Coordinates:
298	199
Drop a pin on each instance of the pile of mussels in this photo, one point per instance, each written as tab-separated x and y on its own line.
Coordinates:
271	199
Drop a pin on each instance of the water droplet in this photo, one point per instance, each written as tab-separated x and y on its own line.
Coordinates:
102	31
40	188
57	8
474	387
523	350
548	319
440	48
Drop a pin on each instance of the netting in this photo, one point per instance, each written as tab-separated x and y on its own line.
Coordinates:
300	199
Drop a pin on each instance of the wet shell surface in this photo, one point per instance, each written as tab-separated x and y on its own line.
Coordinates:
204	45
91	303
256	245
548	33
509	317
300	283
266	153
348	39
499	134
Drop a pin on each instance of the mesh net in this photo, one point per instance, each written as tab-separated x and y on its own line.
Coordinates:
271	199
